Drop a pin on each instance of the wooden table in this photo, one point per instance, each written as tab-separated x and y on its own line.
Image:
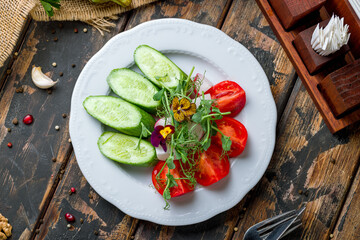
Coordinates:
309	165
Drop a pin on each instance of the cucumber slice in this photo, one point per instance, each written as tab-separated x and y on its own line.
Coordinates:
157	67
122	148
134	88
118	114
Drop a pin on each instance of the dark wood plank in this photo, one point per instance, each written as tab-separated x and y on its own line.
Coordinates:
347	226
28	173
203	11
309	165
96	213
5	70
245	24
84	46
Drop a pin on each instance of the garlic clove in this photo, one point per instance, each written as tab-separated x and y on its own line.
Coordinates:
40	79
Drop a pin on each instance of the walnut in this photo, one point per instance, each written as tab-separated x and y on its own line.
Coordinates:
5	228
2	236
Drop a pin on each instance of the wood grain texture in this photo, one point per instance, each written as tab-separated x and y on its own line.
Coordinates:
97	214
309	166
347	226
203	11
28	173
78	48
25	175
5	70
286	38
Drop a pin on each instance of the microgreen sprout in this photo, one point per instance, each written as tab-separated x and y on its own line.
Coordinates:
184	142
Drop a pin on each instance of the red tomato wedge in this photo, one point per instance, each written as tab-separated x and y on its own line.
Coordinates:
183	186
211	166
230	97
236	131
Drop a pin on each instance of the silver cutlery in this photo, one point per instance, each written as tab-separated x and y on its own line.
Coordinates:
276	227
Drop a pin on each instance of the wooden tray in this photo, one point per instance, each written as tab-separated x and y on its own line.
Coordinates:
311	82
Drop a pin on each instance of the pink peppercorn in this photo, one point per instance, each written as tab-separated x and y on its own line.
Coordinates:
69	217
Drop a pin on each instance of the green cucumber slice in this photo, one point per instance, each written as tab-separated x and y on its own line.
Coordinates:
157	67
134	88
119	114
122	148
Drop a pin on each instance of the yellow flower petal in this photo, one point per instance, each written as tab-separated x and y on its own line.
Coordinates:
184	104
179	116
175	103
165	132
191	111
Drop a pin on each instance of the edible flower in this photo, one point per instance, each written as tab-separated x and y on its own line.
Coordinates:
160	134
182	109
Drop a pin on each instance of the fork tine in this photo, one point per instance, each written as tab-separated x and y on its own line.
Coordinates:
270	220
278	231
272	226
283	215
292	227
295	215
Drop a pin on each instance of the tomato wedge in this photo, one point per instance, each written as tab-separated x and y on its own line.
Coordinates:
230	97
183	186
211	166
236	131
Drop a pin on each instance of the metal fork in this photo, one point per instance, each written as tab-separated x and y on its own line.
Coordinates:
276	227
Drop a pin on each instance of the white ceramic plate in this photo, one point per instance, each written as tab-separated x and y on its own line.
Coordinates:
188	44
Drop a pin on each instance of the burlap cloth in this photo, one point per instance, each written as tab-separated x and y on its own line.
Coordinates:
13	15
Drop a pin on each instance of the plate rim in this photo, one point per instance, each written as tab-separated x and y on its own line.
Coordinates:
272	121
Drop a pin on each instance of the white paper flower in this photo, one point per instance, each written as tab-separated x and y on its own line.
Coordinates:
330	39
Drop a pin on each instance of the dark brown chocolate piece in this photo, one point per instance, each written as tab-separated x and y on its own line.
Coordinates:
341	89
291	11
